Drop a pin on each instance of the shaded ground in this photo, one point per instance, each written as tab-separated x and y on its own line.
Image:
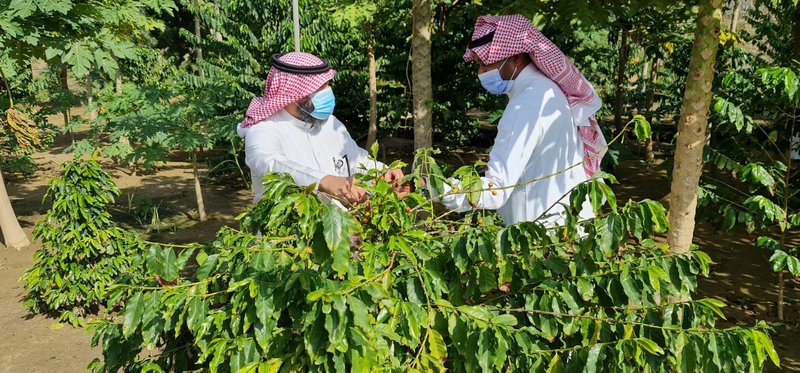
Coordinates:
741	276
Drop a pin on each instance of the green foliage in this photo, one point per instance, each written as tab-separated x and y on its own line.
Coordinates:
145	210
83	252
781	83
82	35
757	188
356	13
641	127
773	39
159	120
393	285
732	115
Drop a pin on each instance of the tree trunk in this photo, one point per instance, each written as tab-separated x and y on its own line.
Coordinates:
735	16
796	33
198	51
649	101
421	83
650	94
372	133
13	236
786	194
650	155
92	113
217	34
645	74
118	82
198	192
118	90
65	86
788	161
693	127
620	81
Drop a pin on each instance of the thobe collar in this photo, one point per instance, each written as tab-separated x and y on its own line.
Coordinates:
528	73
284	116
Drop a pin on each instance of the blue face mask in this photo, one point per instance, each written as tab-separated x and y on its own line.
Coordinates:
324	101
494	83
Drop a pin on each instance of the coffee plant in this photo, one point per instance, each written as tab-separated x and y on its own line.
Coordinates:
753	183
83	251
395	284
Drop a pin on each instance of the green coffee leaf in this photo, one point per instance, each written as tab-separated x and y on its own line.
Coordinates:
641	127
505	319
585	289
649	346
132	315
592	360
556	365
763	342
436	344
207	267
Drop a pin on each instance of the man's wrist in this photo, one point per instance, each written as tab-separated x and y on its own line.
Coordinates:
320	187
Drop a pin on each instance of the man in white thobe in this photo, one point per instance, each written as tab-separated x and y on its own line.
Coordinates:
547	141
292	130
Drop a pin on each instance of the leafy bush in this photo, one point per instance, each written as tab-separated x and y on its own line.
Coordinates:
753	183
391	285
82	250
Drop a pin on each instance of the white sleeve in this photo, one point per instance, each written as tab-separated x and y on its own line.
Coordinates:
360	160
264	154
518	134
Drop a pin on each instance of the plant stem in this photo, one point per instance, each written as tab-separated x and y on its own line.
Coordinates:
786	174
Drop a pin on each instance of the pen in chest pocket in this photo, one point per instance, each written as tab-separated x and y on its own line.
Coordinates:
339	163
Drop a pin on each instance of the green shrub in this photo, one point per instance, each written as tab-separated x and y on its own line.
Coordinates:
394	286
83	251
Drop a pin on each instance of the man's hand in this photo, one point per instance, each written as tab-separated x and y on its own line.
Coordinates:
394	177
343	189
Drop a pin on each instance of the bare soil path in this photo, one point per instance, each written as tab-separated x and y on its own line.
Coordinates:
40	344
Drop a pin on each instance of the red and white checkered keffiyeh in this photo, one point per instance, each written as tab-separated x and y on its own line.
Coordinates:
515	34
283	88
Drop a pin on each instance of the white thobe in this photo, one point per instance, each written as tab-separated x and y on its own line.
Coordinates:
537	154
285	144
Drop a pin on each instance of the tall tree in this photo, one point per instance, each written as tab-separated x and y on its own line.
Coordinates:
27	139
796	33
693	126
198	190
363	14
788	153
421	83
735	15
648	105
619	81
13	236
372	132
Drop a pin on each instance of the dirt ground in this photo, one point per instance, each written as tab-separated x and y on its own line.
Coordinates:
40	344
741	276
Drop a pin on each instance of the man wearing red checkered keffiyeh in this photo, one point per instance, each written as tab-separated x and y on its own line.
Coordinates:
548	140
291	130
